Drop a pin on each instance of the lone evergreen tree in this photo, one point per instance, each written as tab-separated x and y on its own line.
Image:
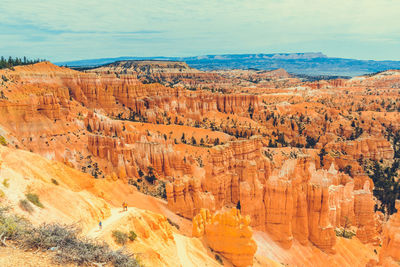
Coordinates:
238	206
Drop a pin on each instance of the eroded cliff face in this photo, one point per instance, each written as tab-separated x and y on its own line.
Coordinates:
174	73
47	109
293	201
72	197
154	240
257	141
124	152
227	232
371	148
390	252
63	191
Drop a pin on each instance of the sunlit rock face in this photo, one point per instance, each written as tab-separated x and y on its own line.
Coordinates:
390	252
262	134
227	232
295	201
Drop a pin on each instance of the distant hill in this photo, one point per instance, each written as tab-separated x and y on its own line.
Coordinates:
297	63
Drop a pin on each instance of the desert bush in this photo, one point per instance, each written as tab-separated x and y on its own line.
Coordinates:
219	259
161	190
72	249
2	96
173	223
150	178
47	236
54	181
34	198
2	194
348	234
344	233
25	205
11	226
6	183
132	236
120	237
3	141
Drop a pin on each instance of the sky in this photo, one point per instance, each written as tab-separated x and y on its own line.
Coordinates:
86	29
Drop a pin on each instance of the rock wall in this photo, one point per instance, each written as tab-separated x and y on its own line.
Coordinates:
227	233
390	252
371	148
294	201
186	198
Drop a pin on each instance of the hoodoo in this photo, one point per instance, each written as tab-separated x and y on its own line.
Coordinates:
242	168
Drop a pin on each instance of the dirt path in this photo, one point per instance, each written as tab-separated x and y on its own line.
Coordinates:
182	253
116	214
10	257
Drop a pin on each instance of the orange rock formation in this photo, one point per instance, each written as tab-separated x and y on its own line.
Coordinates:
228	233
390	252
292	153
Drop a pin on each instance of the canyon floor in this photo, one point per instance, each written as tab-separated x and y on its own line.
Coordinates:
225	167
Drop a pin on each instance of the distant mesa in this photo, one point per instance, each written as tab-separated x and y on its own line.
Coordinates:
148	66
312	63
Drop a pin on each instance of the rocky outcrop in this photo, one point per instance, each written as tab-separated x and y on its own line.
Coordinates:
293	201
228	233
119	155
371	148
170	73
324	84
390	252
365	218
320	229
146	67
186	198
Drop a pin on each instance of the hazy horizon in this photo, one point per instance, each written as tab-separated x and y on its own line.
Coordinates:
75	30
224	54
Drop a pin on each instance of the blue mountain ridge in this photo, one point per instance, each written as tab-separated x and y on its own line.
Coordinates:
296	63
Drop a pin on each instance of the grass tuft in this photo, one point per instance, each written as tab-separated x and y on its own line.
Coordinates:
132	236
6	183
3	141
120	237
34	198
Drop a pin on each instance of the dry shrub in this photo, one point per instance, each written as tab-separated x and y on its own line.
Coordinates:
65	240
120	237
34	198
26	205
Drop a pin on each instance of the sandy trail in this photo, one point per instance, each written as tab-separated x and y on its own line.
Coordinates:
181	249
182	242
116	215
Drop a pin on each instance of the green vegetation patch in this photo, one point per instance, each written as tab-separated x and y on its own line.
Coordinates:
120	237
34	198
6	183
3	141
